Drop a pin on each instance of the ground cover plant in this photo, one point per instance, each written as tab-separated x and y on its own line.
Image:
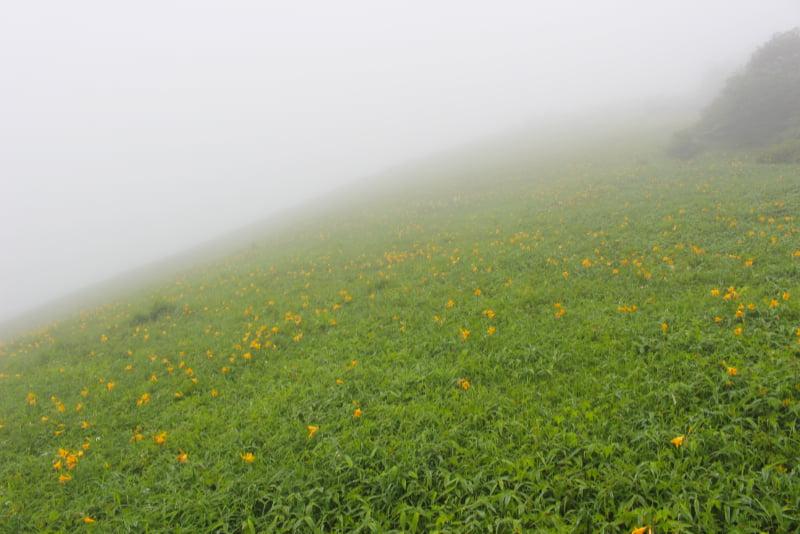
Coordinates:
594	347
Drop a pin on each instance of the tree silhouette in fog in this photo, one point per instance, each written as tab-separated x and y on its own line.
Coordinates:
758	106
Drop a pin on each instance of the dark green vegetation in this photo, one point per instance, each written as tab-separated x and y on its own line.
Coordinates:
577	348
758	108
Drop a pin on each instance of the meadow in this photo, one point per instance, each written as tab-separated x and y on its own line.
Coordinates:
608	346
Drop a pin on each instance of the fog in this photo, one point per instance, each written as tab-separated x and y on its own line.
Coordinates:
132	131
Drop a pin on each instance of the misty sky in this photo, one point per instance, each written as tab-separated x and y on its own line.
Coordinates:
133	130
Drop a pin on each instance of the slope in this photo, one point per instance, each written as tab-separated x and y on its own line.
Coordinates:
582	346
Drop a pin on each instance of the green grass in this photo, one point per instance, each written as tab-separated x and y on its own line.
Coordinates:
607	307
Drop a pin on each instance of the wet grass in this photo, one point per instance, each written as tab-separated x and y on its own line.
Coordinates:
594	349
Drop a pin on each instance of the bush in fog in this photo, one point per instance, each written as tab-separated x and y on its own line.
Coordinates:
786	152
757	107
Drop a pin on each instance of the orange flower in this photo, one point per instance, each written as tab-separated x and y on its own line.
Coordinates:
247	457
182	457
642	530
88	519
357	413
312	430
63	479
733	371
72	460
464	333
678	441
160	439
664	327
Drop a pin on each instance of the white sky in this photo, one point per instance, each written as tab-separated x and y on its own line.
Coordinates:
133	130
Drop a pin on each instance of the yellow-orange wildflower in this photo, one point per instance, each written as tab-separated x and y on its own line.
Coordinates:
247	457
678	441
358	413
312	430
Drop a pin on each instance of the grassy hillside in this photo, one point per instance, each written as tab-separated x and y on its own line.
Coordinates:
583	347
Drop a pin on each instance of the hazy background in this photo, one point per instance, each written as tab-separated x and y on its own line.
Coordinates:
131	131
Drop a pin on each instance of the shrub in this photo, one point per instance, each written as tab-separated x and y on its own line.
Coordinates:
787	152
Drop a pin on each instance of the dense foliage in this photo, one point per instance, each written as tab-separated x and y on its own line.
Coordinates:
758	106
595	348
